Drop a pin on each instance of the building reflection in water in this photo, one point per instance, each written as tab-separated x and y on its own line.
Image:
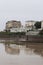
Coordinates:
12	49
27	48
36	49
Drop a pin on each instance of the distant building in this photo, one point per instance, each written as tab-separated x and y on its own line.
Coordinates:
21	29
41	24
16	26
29	24
13	24
36	32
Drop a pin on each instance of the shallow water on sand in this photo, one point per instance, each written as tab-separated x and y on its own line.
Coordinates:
27	54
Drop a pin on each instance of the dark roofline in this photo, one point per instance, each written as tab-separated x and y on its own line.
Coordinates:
12	21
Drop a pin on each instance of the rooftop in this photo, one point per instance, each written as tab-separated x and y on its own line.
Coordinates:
12	21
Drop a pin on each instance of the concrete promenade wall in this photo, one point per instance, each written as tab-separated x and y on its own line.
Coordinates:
29	38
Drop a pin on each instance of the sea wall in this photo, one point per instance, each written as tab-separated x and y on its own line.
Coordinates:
34	38
21	37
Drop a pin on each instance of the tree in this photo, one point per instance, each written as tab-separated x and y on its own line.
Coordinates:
37	25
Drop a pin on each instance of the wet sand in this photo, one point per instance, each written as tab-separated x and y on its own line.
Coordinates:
16	54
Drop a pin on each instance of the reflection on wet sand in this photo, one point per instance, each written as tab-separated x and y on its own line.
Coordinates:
21	54
37	49
12	49
28	49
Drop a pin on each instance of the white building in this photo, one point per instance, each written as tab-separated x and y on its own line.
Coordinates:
36	32
29	25
21	29
42	24
13	24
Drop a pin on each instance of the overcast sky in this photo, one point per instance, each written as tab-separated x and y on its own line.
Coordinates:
20	10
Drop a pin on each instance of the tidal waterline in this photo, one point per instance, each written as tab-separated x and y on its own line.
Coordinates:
16	54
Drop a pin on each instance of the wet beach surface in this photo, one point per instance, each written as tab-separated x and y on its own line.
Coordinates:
19	54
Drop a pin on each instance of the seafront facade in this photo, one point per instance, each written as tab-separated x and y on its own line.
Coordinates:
29	28
12	24
16	31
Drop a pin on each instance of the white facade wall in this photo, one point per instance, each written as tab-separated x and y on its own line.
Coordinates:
22	29
28	28
29	23
18	30
32	33
42	24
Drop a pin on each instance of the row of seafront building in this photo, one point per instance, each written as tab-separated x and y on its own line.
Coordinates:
16	26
